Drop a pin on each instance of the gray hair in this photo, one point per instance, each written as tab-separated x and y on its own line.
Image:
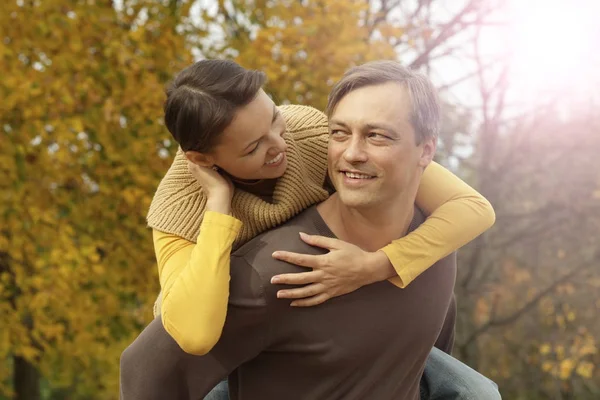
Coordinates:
426	110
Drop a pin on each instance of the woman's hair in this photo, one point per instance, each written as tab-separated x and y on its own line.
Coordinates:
203	98
425	113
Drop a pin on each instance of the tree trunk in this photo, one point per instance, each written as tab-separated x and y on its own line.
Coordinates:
26	380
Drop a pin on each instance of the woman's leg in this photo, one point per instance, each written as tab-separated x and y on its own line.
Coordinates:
149	367
220	392
154	367
446	378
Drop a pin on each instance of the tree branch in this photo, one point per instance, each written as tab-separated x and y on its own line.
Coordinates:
447	30
492	323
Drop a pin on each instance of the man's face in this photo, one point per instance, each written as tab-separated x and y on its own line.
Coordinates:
373	156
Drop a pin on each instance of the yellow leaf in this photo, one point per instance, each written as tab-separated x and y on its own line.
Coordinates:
585	369
566	368
560	352
545	349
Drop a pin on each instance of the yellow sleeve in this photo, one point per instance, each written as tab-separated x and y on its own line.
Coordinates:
457	215
195	282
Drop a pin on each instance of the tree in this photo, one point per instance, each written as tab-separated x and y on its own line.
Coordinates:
528	289
305	46
83	147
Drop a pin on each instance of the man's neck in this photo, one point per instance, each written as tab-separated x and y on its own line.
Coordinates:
368	228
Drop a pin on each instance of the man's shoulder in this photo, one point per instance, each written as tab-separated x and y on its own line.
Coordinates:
258	251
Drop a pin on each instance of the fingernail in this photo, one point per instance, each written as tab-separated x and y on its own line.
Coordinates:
275	254
275	280
279	295
303	235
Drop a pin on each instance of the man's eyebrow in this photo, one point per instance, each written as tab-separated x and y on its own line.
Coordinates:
382	126
337	122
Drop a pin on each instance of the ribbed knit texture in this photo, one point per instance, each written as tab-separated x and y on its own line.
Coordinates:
178	205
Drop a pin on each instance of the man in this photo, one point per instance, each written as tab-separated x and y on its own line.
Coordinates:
371	343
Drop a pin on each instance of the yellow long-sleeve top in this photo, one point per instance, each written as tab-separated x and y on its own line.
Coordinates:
193	248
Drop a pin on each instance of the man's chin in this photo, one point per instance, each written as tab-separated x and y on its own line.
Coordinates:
356	200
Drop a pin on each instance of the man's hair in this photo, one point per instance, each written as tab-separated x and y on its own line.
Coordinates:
425	114
203	98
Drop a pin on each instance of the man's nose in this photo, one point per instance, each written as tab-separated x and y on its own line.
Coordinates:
355	151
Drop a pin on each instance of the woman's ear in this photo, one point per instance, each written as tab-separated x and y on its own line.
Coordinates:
200	159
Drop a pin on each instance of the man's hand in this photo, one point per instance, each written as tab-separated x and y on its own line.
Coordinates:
343	270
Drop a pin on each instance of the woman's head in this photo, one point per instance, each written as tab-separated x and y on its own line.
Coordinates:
219	114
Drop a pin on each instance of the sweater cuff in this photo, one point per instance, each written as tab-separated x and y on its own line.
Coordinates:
401	265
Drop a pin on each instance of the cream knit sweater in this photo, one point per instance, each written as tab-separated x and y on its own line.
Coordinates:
178	205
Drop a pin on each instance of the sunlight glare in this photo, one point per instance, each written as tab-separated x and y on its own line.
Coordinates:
554	44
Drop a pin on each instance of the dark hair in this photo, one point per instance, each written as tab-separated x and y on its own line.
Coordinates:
203	98
425	115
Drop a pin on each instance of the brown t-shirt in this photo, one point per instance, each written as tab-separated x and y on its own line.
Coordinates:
369	344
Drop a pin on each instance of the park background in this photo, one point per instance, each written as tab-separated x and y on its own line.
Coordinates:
83	147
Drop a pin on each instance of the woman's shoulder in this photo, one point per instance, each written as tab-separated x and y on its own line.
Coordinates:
304	120
178	203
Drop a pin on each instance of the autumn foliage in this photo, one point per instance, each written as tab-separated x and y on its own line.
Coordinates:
83	147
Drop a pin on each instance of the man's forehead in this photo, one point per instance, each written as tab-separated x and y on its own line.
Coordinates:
387	104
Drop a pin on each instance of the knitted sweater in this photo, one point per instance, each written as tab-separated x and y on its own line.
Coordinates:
458	214
179	203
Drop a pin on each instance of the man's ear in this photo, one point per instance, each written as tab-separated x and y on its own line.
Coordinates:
200	159
428	148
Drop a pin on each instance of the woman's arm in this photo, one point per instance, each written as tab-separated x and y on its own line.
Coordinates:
457	215
195	282
457	212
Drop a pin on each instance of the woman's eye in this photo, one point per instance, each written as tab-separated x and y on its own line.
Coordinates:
252	151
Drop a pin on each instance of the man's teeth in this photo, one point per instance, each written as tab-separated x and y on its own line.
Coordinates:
276	159
357	176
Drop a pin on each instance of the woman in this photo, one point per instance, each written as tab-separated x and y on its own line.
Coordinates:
242	162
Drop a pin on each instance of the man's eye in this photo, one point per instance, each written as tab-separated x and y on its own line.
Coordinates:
375	135
337	132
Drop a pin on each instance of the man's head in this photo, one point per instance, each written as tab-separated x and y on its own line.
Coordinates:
384	121
219	114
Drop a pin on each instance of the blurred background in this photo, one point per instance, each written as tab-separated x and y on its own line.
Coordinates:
83	147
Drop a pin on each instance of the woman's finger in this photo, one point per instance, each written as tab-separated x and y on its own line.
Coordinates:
321	241
300	293
299	278
303	260
311	301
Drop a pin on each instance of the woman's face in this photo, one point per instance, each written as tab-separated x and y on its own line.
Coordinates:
252	146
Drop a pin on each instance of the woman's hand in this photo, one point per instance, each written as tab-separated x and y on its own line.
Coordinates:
218	188
343	270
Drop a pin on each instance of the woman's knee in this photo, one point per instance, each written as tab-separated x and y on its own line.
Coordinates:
132	376
148	366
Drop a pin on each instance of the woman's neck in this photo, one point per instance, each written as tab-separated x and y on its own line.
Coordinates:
262	188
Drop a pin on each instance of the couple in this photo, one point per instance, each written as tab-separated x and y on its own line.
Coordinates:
288	188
